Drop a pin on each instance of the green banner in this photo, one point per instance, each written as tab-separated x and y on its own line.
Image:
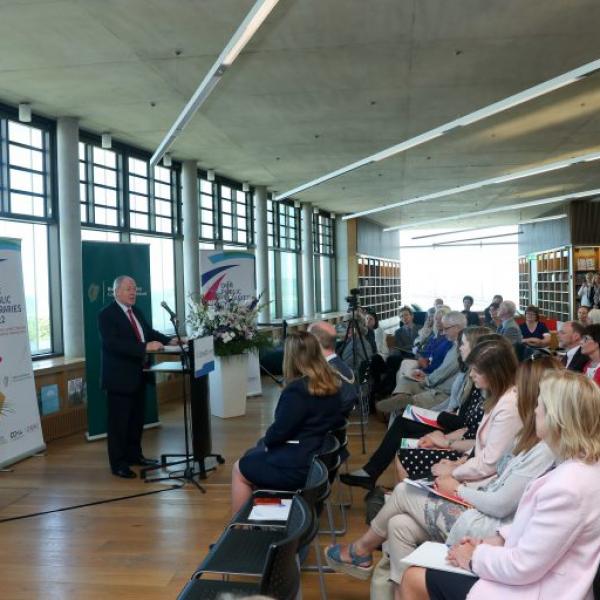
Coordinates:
102	263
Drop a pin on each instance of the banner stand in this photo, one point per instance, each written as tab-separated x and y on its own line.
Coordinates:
20	425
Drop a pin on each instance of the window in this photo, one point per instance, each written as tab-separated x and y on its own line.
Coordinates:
162	278
99	189
324	261
99	235
34	256
208	213
236	217
27	170
283	231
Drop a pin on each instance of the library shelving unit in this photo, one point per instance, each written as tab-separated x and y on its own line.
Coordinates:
524	283
553	284
379	285
585	259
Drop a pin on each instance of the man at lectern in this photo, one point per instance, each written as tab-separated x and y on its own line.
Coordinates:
126	336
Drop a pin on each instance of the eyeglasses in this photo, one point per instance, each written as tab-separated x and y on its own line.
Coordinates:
449	327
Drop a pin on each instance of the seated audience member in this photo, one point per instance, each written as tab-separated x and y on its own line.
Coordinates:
431	356
534	332
405	335
552	547
326	336
380	346
404	340
411	517
438	303
594	316
472	317
428	389
569	339
493	367
356	349
495	320
508	327
425	333
590	346
582	315
488	318
463	396
308	408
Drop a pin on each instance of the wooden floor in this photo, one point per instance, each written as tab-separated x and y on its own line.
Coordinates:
143	548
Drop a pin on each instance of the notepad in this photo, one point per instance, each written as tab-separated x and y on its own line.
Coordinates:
421	415
432	555
271	512
429	486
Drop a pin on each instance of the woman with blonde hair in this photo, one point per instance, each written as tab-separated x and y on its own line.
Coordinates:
308	408
552	547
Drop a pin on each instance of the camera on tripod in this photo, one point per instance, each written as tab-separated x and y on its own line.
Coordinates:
352	299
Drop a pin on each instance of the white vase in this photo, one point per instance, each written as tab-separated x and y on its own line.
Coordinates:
228	384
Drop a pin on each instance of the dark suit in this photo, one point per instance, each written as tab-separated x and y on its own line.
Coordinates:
123	379
578	361
282	458
349	389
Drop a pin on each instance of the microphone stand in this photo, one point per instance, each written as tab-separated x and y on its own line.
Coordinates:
188	473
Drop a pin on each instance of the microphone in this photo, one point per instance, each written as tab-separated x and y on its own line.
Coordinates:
166	307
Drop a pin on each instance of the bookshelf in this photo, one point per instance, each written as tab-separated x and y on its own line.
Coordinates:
379	285
553	284
585	259
524	283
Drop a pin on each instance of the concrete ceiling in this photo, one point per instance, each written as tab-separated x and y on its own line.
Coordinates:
322	84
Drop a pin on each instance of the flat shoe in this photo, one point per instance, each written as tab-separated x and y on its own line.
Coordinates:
357	480
124	472
354	568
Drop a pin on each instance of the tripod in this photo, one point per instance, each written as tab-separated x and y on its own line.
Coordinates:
361	372
188	474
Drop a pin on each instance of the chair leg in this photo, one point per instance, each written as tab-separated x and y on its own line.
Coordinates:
320	569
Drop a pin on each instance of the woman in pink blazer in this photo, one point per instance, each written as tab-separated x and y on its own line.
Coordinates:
552	549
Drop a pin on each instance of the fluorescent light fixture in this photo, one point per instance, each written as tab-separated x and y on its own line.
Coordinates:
499	209
454	231
210	175
477	239
167	160
547	168
497	107
245	186
254	19
106	141
25	112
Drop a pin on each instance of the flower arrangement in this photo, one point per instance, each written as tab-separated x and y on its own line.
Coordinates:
231	319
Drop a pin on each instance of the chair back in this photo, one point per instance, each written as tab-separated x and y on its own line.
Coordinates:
329	452
281	575
316	488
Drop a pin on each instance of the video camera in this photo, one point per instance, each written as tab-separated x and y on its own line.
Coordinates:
352	299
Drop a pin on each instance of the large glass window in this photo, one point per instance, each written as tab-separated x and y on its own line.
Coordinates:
27	172
34	256
99	188
324	261
162	278
236	215
289	284
208	211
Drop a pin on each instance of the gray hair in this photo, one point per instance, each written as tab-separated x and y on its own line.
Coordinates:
118	281
455	318
509	306
594	316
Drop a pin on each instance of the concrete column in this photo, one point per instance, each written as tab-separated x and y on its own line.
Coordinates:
191	252
262	256
69	218
308	283
341	262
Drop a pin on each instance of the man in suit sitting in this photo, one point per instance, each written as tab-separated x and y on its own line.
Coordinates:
126	336
569	339
326	336
509	328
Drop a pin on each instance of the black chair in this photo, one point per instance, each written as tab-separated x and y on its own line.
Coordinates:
342	437
362	409
315	491
262	551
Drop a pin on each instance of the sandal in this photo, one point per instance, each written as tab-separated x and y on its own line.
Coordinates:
360	567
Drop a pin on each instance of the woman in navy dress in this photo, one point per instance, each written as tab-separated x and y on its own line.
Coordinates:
308	408
535	333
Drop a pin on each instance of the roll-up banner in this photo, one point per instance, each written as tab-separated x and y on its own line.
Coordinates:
20	426
222	269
